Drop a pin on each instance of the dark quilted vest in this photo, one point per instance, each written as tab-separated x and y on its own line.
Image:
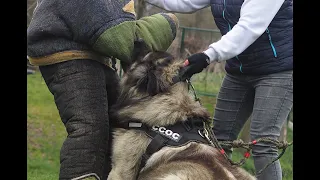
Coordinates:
271	52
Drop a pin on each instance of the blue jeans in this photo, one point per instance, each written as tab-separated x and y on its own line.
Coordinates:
268	99
83	92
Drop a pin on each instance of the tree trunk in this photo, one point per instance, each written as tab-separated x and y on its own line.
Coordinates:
140	7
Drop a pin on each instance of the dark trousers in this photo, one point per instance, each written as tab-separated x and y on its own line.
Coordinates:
83	91
268	99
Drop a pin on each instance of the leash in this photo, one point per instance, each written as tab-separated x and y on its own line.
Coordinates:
211	138
248	146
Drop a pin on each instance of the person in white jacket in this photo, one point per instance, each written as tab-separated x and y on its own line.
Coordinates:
256	44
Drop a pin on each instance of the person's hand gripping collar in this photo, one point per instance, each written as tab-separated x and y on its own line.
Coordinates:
192	65
196	63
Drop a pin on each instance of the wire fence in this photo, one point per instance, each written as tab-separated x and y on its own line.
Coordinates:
196	39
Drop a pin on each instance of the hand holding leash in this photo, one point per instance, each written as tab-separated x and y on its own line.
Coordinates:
195	64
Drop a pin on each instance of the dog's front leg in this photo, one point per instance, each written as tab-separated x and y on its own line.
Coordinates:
128	148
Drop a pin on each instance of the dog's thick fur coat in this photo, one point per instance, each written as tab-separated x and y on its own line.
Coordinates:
149	95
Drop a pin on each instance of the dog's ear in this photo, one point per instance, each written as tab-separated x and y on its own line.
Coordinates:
140	50
152	83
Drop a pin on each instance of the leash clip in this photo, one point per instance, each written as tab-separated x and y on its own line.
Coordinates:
206	135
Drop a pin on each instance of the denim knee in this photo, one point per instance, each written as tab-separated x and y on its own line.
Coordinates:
264	149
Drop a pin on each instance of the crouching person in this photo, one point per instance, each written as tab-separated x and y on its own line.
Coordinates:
74	43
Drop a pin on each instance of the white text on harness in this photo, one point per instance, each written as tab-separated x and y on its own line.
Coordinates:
167	133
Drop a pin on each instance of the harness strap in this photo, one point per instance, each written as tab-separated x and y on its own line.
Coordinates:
155	145
186	125
186	131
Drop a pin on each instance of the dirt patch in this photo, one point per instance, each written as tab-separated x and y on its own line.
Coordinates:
33	133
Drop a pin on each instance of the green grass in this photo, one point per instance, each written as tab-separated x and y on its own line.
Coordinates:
46	132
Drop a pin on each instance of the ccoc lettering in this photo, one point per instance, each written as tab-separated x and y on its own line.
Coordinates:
167	133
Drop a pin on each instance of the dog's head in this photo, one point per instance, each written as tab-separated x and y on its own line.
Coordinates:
152	74
150	93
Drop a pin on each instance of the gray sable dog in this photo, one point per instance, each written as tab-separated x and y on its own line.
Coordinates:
149	95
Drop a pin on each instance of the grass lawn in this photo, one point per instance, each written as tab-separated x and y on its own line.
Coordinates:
46	132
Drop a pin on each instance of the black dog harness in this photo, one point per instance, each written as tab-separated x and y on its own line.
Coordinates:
175	135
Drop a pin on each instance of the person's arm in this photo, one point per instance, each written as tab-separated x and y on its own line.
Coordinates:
157	31
111	29
255	17
180	6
